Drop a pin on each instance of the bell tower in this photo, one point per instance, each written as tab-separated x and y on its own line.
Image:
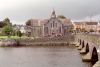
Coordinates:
53	14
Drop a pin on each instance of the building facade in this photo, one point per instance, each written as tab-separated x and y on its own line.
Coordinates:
87	25
52	26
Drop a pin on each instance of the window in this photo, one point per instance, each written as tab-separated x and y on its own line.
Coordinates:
53	23
47	29
59	29
40	30
56	24
34	29
64	31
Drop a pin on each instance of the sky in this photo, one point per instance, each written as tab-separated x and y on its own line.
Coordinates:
19	11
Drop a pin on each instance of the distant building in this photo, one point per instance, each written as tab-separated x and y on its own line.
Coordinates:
79	25
91	25
52	26
19	27
87	25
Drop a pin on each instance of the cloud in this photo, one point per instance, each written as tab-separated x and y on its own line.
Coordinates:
22	10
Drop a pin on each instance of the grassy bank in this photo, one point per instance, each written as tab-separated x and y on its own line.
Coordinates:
15	37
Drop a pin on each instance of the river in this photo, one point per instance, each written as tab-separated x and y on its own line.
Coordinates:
41	56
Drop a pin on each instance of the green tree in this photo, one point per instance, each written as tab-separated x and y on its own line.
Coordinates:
7	29
6	20
14	25
61	17
91	30
2	24
70	30
19	34
99	31
28	23
14	33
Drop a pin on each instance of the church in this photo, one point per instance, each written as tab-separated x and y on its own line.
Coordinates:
50	27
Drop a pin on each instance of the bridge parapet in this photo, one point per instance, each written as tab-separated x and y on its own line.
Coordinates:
93	44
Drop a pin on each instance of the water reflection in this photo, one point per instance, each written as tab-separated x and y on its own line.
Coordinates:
52	56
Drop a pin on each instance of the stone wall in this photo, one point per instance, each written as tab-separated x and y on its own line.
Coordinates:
54	40
93	38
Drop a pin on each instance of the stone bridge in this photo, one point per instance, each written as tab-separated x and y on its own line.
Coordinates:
89	45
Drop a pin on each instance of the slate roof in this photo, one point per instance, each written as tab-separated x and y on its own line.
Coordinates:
66	22
91	23
39	22
79	23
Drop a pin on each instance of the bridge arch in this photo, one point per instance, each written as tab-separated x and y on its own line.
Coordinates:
83	44
87	48
94	57
80	41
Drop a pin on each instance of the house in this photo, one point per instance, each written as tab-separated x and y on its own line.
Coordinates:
87	25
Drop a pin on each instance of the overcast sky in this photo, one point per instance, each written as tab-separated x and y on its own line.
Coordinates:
19	11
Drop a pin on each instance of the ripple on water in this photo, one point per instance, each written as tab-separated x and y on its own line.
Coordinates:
52	56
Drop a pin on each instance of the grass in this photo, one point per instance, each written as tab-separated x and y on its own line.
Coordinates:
15	37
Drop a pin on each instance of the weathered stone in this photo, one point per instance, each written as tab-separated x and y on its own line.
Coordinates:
87	57
83	51
80	47
77	45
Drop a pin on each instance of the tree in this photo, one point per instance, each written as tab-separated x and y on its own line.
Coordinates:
14	33
99	31
7	29
91	30
6	20
14	25
61	17
28	23
70	30
2	24
19	34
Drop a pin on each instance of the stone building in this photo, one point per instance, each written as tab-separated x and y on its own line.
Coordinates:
25	30
52	26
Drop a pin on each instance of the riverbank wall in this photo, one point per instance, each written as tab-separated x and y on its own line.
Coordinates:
47	41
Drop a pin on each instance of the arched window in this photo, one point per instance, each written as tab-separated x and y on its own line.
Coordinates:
56	24
47	29
34	29
40	30
53	23
59	29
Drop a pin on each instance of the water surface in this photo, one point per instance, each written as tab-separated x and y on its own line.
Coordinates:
51	56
